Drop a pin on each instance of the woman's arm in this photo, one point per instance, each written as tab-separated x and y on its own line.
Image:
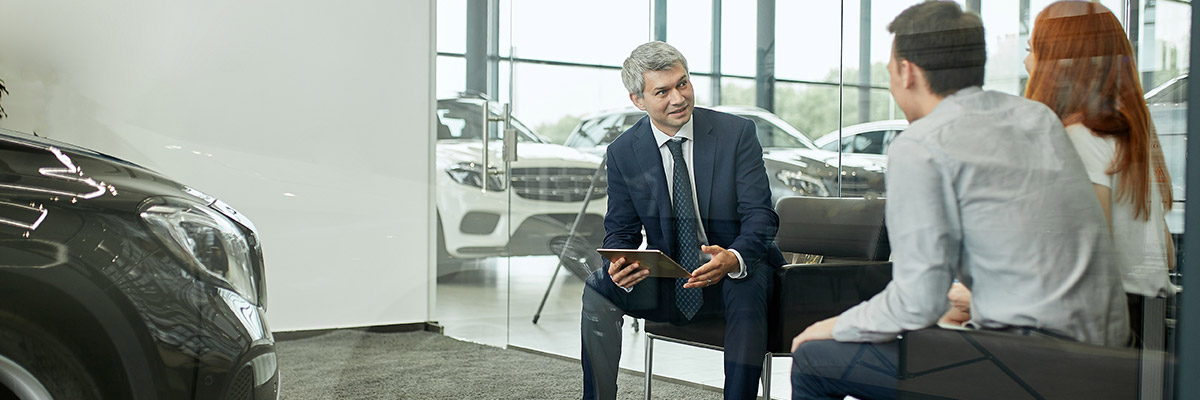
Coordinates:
1170	247
1105	195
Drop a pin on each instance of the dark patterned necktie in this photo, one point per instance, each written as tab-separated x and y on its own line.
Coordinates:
686	231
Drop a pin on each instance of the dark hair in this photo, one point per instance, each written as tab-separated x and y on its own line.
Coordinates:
944	41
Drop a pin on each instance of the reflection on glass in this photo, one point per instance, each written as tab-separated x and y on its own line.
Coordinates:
835	111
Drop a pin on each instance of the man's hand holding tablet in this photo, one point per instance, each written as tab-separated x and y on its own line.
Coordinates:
628	267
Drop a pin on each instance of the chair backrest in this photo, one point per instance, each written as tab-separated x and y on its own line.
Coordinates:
842	227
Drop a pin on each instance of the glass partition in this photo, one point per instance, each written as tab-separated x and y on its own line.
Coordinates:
832	109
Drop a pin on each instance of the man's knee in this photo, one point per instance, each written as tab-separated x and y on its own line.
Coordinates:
802	358
596	306
594	279
755	288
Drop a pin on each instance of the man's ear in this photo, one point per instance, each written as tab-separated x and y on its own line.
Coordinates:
908	74
637	101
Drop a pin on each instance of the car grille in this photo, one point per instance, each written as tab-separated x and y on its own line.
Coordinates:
852	186
557	184
242	385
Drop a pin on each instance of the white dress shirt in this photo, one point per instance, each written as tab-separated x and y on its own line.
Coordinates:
669	168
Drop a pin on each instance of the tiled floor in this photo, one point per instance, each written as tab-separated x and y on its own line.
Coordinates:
494	304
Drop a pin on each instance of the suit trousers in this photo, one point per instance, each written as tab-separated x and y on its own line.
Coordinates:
827	369
742	302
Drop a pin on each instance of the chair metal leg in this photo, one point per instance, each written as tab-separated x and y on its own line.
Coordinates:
649	363
766	376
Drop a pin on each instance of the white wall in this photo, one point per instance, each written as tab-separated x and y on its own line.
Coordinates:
312	118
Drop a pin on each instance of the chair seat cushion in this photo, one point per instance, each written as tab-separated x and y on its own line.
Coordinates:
709	331
807	293
995	365
804	294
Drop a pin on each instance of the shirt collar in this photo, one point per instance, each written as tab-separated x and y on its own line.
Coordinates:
954	97
684	132
964	92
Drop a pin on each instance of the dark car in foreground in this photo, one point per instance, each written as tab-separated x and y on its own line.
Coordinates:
119	283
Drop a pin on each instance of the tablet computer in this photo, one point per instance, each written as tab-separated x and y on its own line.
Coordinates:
659	264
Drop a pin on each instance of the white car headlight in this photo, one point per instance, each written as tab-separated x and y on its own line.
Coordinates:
802	184
471	174
204	239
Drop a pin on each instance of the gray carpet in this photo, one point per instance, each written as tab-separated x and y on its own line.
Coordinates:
356	364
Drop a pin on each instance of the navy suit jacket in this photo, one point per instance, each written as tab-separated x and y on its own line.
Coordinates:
732	191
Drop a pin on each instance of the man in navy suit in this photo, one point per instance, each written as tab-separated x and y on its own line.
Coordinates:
694	180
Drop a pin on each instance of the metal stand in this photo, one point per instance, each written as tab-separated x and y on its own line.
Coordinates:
587	199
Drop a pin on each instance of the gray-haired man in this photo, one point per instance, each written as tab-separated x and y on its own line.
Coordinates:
694	180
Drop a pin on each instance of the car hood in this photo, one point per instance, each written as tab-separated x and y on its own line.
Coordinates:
830	158
33	167
528	154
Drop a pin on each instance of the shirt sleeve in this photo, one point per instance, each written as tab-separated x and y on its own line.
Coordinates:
1095	152
741	272
925	232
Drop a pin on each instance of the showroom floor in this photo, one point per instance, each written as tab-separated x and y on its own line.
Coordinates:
474	305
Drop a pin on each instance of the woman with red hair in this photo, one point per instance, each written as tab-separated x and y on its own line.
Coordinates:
1082	66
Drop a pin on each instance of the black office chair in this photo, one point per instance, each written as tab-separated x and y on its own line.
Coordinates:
846	238
939	363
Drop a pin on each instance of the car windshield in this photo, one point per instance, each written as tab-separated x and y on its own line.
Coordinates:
601	130
461	120
593	132
774	132
1174	92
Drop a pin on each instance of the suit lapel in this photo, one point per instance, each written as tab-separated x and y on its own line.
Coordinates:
650	160
703	155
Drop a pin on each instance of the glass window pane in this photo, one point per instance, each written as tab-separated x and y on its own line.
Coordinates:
582	32
813	109
737	91
797	55
701	89
1164	42
738	38
689	29
1006	44
545	95
452	26
451	76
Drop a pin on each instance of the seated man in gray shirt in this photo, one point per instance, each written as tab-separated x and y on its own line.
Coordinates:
983	187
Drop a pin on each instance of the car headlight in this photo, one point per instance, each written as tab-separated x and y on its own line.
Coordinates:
471	174
802	184
205	240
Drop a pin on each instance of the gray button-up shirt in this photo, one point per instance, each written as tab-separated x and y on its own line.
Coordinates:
988	189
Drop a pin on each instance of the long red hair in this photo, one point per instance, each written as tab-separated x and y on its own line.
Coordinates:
1085	71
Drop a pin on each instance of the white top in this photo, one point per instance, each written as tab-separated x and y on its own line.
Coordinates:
980	190
1141	244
